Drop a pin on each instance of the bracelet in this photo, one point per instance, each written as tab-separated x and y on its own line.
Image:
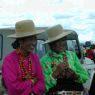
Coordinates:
52	77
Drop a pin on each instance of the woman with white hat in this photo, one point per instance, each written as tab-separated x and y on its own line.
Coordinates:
21	69
62	69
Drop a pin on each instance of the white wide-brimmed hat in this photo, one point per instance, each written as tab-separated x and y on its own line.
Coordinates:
56	32
25	28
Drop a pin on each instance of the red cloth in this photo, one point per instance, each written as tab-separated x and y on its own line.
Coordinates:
90	54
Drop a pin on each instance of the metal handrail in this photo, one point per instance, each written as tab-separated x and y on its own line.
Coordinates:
0	72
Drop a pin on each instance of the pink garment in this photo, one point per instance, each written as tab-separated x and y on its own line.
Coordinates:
11	74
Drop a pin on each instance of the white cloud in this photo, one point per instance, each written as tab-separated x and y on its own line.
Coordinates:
86	37
43	13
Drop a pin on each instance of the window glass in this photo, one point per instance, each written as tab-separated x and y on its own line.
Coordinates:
73	46
40	48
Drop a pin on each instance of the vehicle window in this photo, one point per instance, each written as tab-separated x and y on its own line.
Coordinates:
1	46
40	48
73	46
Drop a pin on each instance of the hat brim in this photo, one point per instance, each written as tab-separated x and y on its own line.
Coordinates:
65	33
25	34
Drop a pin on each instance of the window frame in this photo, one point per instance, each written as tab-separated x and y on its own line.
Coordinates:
1	49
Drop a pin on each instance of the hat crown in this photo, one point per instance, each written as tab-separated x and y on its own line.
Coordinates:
24	26
55	31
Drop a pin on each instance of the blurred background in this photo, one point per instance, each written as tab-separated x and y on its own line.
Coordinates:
78	15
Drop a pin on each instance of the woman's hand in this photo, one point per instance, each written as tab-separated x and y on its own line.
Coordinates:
55	73
34	80
69	73
59	70
63	67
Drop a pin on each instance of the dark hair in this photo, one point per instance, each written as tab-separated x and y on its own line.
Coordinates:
52	45
15	44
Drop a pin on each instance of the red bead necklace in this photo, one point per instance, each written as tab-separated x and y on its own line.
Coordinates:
25	72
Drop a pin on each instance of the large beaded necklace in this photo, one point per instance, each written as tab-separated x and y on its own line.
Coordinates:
25	72
52	55
54	64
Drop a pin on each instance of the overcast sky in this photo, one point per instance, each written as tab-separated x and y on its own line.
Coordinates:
78	15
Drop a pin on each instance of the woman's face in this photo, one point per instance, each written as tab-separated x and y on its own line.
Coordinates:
59	45
28	44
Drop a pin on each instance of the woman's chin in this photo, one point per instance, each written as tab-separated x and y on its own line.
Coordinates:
31	50
61	50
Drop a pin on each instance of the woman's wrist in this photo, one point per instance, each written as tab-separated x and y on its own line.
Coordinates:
53	77
55	74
